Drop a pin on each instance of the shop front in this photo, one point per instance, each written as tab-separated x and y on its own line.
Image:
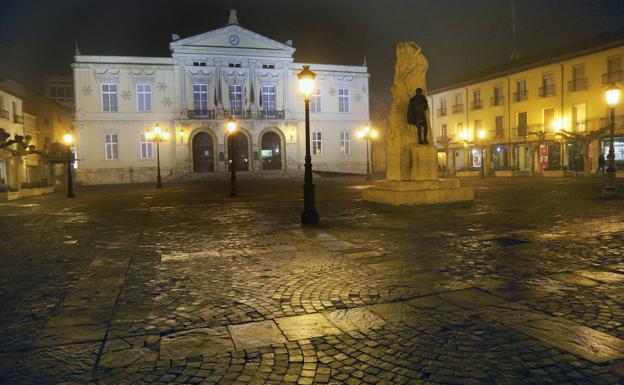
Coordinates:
499	156
618	146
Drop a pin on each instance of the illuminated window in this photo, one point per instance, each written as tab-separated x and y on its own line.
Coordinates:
345	143
344	100
111	147
317	143
268	99
315	101
144	97
109	97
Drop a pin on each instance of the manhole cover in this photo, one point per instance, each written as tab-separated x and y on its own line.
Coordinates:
505	241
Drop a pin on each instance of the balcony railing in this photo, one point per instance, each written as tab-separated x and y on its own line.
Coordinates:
270	114
612	77
475	104
520	131
497	101
497	133
458	108
442	111
201	114
222	113
18	119
577	84
4	114
520	95
547	90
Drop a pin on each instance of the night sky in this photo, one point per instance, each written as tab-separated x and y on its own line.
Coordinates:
458	36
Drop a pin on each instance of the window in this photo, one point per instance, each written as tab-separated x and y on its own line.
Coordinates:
111	147
444	131
345	143
522	124
614	64
315	101
344	100
521	90
442	109
548	120
548	84
236	99
579	81
459	131
109	97
268	99
144	97
147	148
317	143
268	66
477	128
476	99
579	117
498	124
497	100
234	64
199	63
200	99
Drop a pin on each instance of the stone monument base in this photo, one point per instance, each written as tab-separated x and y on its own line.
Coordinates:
418	192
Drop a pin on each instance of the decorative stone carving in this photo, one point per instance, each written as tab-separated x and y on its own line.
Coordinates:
167	101
125	95
86	90
162	86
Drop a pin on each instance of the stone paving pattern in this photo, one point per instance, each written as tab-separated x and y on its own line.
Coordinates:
186	285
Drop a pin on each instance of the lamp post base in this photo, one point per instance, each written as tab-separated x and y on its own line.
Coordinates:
609	190
309	216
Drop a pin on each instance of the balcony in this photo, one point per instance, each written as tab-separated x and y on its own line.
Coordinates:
458	108
497	133
4	114
270	114
577	84
547	90
201	114
612	77
442	111
18	119
497	101
520	95
520	131
475	104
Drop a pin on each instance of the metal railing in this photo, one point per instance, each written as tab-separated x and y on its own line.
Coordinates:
4	114
442	111
520	131
520	95
247	114
497	101
201	114
547	90
577	84
475	104
18	119
270	114
612	77
458	108
497	133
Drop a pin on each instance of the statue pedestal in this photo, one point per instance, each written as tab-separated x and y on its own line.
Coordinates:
423	185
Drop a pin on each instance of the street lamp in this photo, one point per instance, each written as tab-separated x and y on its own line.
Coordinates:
232	126
68	139
309	216
558	128
368	134
612	97
481	135
157	135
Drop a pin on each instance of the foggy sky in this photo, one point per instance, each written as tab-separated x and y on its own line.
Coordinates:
458	36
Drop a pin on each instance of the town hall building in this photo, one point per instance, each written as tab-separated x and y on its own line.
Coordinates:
209	77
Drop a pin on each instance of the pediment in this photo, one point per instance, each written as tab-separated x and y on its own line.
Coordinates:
232	37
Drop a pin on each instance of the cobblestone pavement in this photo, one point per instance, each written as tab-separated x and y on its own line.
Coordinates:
185	285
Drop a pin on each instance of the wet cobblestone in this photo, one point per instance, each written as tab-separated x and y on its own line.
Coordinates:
128	285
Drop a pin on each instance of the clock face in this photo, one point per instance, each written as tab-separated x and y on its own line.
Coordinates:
234	39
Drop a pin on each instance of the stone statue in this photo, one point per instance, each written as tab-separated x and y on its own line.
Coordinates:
411	157
409	75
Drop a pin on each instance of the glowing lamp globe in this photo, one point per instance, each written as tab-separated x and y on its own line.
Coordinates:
165	135
481	134
613	96
68	138
306	81
157	129
374	134
231	125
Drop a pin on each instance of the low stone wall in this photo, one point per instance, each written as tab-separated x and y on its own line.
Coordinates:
553	174
118	175
25	193
467	173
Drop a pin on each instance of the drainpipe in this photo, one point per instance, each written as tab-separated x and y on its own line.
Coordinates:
467	127
509	149
563	147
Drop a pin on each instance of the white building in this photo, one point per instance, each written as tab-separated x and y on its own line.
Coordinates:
228	71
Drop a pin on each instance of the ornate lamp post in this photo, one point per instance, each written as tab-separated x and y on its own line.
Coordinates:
368	134
612	96
309	216
232	126
68	139
157	135
481	135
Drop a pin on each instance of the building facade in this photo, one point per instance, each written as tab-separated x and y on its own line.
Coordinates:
230	71
537	115
12	169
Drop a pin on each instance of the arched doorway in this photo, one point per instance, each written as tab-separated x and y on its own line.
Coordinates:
241	150
203	153
271	151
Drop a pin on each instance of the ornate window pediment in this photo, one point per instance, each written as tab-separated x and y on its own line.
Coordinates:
269	76
142	75
107	74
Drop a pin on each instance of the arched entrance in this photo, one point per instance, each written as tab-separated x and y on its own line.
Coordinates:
271	151
203	153
241	150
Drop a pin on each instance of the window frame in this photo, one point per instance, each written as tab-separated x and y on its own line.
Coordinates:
344	143
114	146
144	93
148	145
344	96
196	100
236	90
265	103
316	100
317	142
109	93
